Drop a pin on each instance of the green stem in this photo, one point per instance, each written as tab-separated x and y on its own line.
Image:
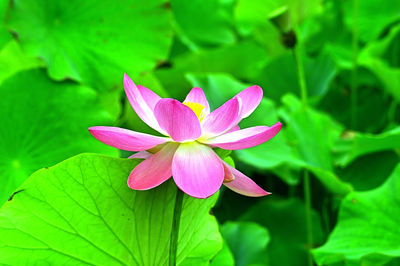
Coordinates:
307	199
307	187
300	74
325	215
354	92
173	248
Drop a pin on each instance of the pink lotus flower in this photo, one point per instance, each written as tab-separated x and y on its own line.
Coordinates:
191	132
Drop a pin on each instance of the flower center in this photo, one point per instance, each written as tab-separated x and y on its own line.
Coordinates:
197	108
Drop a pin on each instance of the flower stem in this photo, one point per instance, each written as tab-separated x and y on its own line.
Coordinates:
306	181
307	199
300	74
173	248
354	69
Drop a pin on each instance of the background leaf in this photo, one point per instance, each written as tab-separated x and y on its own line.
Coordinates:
285	220
104	48
373	17
14	60
247	241
204	22
44	125
367	228
354	145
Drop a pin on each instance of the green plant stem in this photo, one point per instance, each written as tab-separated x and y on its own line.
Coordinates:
173	249
307	199
307	187
300	75
354	100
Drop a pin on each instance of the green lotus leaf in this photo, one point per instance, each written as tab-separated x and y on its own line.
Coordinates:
248	242
14	60
93	42
367	231
373	17
313	135
286	223
44	122
81	212
204	22
354	145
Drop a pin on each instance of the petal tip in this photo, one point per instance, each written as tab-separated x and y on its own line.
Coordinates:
93	130
256	90
264	193
277	126
128	82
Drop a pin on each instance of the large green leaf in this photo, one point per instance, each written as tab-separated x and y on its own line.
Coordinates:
367	228
369	171
372	57
81	211
354	145
44	122
373	17
249	13
286	222
242	60
5	36
313	135
279	76
93	42
224	257
318	33
369	94
204	22
247	241
13	60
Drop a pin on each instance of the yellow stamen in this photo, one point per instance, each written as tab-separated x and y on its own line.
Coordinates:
197	108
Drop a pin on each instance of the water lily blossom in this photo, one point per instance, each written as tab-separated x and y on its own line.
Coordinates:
191	131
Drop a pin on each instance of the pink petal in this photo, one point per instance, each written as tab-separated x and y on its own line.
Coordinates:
244	138
250	98
178	120
150	97
235	128
196	95
228	176
143	102
140	155
154	170
197	170
221	119
244	185
125	139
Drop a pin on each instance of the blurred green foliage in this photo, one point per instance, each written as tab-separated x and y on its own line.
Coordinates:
61	69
